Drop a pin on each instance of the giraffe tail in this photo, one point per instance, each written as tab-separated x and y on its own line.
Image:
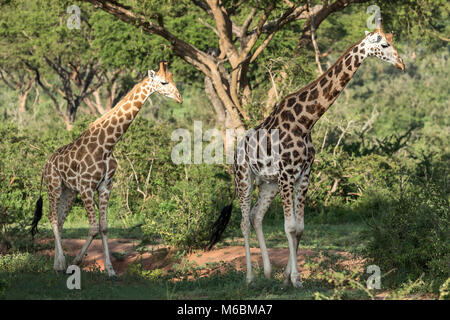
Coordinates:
37	212
221	224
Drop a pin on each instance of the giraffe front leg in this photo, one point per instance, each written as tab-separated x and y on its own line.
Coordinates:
87	196
267	192
290	226
104	192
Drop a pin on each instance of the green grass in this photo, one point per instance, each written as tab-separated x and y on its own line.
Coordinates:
342	237
96	285
76	226
80	229
30	276
48	285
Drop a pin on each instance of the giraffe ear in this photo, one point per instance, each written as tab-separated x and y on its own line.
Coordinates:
389	37
367	32
151	74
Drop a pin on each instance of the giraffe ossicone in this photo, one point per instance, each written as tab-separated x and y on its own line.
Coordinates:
87	165
294	117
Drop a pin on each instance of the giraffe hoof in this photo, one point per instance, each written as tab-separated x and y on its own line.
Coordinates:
60	272
114	278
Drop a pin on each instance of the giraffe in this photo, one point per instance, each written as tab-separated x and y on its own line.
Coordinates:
87	165
287	171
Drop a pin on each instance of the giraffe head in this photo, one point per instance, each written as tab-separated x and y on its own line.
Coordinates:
381	45
162	82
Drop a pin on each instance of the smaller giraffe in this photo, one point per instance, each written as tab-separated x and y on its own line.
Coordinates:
87	165
287	131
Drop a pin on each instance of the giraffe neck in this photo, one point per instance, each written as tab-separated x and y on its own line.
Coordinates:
115	123
312	101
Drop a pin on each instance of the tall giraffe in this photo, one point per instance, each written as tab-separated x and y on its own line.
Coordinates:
87	165
287	172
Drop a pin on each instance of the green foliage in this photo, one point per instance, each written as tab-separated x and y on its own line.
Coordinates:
183	215
24	262
135	270
444	290
176	203
410	234
18	186
15	264
426	22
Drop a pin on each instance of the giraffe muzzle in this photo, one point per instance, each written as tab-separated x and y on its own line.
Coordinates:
400	64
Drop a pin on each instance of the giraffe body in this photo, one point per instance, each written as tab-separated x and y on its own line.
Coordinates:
287	173
87	165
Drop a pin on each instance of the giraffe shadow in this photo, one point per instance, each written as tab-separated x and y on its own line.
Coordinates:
82	232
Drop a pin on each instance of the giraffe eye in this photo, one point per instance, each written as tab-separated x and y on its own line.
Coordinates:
385	45
164	82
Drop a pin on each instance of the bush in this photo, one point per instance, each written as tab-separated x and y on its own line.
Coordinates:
410	235
183	215
175	203
23	154
18	186
345	188
13	266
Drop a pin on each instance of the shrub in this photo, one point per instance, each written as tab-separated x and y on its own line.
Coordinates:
411	235
18	186
23	153
23	263
183	215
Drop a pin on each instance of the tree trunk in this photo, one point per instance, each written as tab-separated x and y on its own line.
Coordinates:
23	101
215	101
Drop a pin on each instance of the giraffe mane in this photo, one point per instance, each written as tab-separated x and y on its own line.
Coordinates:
309	85
116	107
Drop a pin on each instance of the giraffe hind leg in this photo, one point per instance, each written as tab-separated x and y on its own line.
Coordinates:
54	191
65	204
244	187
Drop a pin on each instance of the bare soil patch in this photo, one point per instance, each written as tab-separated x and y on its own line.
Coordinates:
123	253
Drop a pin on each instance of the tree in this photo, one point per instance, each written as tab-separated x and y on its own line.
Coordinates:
18	79
35	36
230	43
243	30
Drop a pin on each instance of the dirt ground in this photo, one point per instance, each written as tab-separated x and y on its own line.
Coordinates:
123	253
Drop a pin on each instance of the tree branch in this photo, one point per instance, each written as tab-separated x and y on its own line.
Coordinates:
206	24
319	14
313	40
225	30
186	51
